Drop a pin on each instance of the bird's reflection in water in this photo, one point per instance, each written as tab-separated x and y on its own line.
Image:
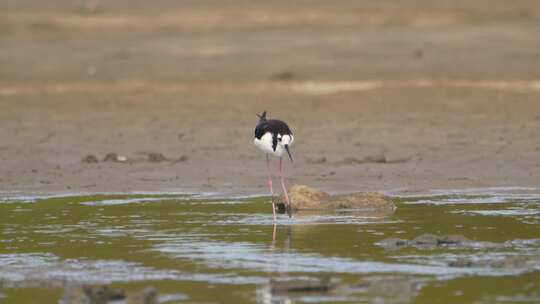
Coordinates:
282	286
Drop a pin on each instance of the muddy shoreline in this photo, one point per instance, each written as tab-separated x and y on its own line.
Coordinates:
430	96
455	147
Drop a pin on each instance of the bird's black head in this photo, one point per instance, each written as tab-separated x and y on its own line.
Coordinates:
262	117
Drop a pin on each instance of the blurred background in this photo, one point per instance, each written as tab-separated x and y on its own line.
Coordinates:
380	94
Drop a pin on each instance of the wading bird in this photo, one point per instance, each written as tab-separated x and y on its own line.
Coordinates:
274	137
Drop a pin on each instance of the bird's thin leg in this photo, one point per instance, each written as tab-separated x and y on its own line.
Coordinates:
270	186
273	246
283	186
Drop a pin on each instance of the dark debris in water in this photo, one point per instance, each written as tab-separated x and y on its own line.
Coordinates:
434	241
323	285
149	295
402	289
91	294
507	262
103	294
397	289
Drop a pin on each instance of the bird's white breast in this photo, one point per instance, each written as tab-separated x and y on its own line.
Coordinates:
265	143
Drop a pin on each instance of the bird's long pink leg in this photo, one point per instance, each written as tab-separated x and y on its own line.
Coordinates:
283	186
270	186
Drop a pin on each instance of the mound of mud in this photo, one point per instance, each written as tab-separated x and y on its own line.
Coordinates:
306	198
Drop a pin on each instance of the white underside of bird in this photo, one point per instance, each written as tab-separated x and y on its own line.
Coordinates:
265	143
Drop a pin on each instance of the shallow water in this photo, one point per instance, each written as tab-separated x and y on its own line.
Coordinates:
196	249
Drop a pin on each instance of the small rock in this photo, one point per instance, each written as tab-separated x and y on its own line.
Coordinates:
452	240
89	159
393	243
113	157
183	158
149	295
110	157
426	239
91	294
435	240
74	295
155	157
323	285
283	76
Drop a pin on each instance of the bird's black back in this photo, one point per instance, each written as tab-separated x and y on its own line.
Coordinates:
273	126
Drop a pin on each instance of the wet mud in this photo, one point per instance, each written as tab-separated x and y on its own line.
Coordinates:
380	95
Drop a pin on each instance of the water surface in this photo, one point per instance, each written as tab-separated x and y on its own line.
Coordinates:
208	250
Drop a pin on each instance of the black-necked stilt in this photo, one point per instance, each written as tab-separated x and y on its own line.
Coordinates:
274	137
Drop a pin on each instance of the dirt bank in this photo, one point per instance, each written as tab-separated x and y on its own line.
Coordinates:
380	96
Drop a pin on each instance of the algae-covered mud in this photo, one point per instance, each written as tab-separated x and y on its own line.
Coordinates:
479	246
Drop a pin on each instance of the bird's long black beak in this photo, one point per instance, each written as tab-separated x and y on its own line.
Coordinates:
288	152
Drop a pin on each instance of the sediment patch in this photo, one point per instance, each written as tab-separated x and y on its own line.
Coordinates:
306	198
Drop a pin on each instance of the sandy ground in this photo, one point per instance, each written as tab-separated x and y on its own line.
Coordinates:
380	95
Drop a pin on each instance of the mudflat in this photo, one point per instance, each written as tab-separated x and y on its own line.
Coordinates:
381	96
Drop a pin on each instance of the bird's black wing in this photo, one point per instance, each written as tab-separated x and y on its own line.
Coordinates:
278	127
274	141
